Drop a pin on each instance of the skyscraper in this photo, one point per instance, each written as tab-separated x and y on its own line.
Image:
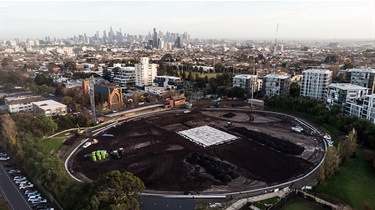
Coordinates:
155	39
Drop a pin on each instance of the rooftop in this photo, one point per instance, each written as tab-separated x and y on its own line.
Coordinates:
347	86
245	76
278	76
49	104
317	71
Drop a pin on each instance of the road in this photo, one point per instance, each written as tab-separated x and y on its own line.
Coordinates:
10	191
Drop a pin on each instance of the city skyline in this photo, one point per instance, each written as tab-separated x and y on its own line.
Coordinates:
208	20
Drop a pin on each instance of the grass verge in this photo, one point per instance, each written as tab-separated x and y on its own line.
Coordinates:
51	145
354	184
299	203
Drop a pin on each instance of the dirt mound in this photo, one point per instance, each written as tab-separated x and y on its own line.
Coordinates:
220	170
229	115
278	144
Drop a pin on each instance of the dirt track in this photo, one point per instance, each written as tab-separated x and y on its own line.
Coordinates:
157	154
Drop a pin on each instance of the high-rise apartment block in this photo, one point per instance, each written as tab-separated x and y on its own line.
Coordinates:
145	72
246	81
342	93
362	77
125	77
274	84
315	83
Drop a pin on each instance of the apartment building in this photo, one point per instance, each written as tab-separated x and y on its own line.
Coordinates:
368	110
342	93
246	81
50	108
125	77
274	84
315	83
362	77
22	103
167	82
145	72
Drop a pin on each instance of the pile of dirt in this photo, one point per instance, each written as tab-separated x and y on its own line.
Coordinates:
278	144
220	170
229	115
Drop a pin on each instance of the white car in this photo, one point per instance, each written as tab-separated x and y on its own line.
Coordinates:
16	178
26	185
39	201
187	111
87	144
297	129
21	181
4	158
34	198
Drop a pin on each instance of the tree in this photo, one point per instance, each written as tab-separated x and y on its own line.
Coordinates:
348	146
6	61
115	190
294	90
8	132
331	163
70	65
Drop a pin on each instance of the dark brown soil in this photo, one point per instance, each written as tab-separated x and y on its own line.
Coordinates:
157	154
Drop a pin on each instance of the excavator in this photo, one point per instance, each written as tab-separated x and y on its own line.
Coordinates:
80	131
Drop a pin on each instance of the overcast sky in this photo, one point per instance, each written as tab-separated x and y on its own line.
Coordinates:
201	19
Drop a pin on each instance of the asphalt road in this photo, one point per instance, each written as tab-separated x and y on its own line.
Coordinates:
10	191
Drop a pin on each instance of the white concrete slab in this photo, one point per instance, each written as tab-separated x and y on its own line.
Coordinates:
207	136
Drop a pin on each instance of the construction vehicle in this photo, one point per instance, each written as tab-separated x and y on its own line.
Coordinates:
228	125
80	131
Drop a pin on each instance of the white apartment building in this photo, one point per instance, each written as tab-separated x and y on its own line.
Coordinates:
125	77
315	83
247	82
368	110
50	108
155	90
342	93
145	72
21	103
274	84
362	77
167	82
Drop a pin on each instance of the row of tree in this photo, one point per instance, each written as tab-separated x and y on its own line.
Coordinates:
21	135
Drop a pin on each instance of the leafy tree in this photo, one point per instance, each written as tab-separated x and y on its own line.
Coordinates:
6	61
36	124
330	165
114	190
70	65
348	146
8	132
294	90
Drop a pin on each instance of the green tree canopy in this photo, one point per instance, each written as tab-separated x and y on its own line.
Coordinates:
115	190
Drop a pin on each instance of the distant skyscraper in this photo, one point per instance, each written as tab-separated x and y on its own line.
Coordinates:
178	42
155	40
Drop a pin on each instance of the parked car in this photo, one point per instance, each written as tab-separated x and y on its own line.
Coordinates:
33	194
34	198
43	200
30	191
26	185
87	144
14	171
16	178
4	158
21	181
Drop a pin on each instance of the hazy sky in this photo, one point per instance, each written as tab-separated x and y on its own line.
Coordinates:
201	19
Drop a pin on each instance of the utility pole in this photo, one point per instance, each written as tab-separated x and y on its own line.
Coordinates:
275	46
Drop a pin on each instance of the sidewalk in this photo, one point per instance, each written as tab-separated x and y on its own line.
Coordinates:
240	203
